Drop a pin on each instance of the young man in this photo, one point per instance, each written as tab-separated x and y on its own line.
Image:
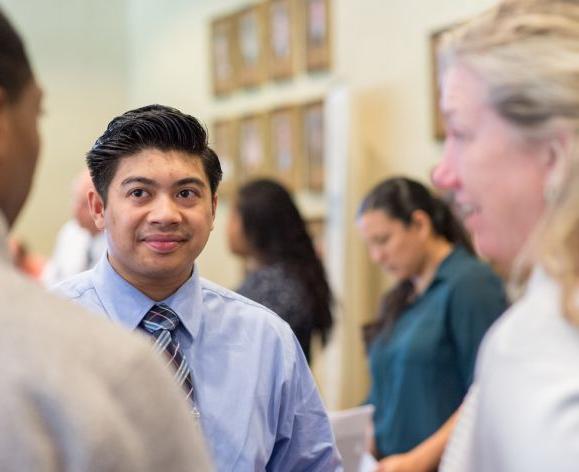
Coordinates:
76	393
156	181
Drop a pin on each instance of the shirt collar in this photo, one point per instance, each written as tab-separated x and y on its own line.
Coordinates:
127	305
4	253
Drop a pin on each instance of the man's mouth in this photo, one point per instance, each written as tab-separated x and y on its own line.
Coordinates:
163	243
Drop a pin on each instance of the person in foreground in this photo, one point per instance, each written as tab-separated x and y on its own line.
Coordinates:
76	394
284	272
423	346
510	97
248	381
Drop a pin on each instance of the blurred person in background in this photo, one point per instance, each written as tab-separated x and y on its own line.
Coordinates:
423	347
510	98
24	260
79	244
284	272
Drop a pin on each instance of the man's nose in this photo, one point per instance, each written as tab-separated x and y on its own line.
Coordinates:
165	211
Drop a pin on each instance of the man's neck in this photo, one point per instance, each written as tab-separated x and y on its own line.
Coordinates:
158	292
157	288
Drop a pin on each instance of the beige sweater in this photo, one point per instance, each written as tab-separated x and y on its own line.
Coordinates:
80	394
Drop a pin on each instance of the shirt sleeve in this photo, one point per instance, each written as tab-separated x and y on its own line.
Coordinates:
476	301
304	438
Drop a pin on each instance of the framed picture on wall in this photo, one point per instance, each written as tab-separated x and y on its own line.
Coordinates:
222	55
284	140
252	142
317	31
250	45
224	144
437	119
313	145
280	38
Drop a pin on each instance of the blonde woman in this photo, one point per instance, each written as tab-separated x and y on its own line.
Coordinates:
510	97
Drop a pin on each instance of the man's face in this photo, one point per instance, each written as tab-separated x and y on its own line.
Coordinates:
158	217
496	174
19	148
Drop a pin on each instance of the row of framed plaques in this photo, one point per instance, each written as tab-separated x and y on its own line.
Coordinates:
285	143
437	120
267	41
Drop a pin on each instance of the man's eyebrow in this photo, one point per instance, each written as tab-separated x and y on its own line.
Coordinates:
138	180
152	183
190	180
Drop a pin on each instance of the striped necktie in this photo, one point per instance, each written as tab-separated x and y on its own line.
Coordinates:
160	321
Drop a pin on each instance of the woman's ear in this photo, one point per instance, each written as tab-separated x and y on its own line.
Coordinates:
422	222
557	166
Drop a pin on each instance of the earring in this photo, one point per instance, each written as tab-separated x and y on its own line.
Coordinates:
550	192
555	181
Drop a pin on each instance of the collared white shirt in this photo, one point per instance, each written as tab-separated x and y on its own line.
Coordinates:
75	251
523	411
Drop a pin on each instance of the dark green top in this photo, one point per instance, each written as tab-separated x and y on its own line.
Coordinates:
423	368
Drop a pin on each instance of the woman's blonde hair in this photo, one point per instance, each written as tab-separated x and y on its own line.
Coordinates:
527	52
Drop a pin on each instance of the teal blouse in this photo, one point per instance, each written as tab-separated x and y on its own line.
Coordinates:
422	369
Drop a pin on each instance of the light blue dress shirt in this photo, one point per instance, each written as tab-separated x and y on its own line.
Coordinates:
260	408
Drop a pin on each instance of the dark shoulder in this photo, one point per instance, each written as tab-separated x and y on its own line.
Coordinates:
214	296
465	270
269	281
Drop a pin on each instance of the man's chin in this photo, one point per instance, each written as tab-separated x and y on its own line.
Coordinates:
161	271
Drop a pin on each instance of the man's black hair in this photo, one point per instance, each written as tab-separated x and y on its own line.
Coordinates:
150	127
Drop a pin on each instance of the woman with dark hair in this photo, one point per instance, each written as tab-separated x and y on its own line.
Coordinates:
423	347
284	272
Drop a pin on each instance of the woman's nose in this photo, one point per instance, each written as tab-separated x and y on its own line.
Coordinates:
443	175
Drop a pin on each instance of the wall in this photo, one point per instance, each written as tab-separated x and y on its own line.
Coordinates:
79	52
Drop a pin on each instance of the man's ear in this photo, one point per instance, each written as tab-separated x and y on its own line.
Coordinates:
96	207
213	209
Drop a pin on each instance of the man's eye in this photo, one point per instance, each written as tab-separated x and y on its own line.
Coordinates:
137	193
186	193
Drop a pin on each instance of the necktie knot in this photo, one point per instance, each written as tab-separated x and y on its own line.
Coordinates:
160	317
